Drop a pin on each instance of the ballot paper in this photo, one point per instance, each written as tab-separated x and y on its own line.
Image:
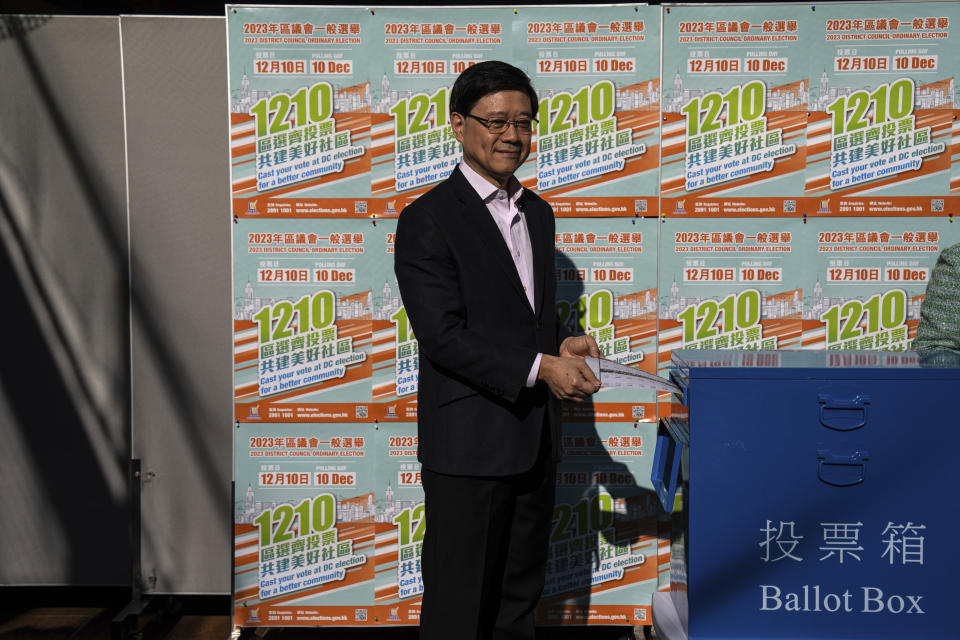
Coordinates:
614	375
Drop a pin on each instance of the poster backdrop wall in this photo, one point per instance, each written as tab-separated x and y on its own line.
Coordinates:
789	186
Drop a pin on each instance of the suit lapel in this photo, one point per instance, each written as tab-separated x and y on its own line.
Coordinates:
481	221
534	216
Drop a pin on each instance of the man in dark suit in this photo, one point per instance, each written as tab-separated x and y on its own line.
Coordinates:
474	263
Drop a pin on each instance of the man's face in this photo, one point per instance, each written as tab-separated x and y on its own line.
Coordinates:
495	156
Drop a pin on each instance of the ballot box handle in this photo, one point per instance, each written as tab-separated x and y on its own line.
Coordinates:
843	469
843	413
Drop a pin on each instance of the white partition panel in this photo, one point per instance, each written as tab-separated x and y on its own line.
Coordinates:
175	80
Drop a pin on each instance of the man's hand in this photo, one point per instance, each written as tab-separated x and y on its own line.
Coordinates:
569	378
579	346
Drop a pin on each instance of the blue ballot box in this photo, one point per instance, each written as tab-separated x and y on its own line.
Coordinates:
813	495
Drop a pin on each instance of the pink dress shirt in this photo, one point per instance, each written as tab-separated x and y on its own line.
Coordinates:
502	205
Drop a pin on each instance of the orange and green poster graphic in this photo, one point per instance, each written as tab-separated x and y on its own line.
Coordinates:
299	111
597	75
734	110
881	110
303	525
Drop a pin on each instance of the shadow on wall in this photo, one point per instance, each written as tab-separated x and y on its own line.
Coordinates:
572	565
65	380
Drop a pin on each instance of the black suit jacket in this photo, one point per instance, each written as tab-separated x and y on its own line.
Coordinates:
478	335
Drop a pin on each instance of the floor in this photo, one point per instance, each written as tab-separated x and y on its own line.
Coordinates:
96	623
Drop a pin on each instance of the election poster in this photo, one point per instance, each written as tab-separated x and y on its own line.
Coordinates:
868	279
400	524
395	357
299	111
301	324
606	272
596	71
730	284
304	514
604	557
412	59
734	110
881	111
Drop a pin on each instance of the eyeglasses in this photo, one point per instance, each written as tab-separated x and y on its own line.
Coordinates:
499	125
